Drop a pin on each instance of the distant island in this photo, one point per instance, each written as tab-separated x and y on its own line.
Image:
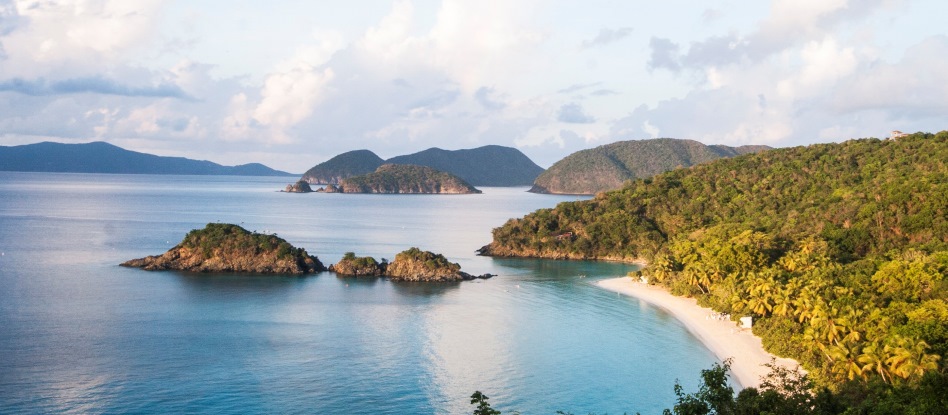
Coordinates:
609	166
412	264
221	247
298	187
483	166
403	178
101	157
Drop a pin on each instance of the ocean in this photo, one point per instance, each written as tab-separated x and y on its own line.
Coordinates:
80	334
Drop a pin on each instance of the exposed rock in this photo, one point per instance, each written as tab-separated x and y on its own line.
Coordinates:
414	264
223	247
298	187
353	266
331	188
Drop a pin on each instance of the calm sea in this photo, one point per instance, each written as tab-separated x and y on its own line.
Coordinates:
79	334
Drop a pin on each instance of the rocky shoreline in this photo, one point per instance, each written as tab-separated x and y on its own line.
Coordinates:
222	248
412	264
230	248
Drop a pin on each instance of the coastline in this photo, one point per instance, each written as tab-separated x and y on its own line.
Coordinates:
723	338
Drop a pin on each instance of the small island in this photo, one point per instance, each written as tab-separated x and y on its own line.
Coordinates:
412	264
404	179
221	247
300	186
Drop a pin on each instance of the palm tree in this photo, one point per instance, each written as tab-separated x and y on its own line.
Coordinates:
907	359
873	359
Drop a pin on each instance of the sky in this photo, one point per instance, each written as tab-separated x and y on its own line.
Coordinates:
292	83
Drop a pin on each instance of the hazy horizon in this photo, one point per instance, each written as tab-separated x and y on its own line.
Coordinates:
293	84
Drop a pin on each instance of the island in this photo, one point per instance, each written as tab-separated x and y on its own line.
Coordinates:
412	264
405	178
489	165
221	247
301	186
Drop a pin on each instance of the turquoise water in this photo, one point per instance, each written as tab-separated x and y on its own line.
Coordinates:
79	334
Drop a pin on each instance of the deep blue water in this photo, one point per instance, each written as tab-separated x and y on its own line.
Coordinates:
79	334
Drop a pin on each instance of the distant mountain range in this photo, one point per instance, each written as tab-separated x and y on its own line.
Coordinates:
607	167
483	166
100	157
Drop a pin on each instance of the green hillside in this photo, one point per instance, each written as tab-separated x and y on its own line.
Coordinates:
607	167
483	166
406	178
839	251
348	164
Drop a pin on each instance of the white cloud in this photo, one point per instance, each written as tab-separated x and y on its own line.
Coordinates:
86	36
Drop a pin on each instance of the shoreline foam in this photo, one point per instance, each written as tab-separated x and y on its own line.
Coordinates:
724	338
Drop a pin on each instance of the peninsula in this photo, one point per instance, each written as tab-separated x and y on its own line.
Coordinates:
223	247
838	252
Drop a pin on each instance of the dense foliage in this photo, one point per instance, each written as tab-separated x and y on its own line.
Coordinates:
224	236
607	167
791	392
431	260
348	164
397	178
839	251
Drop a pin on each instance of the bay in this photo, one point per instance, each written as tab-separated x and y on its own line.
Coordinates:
79	334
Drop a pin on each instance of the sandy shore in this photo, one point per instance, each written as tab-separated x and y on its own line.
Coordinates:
724	338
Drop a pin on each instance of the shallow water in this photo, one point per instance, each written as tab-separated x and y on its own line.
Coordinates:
83	335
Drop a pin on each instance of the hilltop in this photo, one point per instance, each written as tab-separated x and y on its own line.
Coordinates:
838	251
483	166
404	178
345	165
101	157
607	167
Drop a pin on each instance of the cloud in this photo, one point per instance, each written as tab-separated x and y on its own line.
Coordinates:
93	85
572	113
606	36
578	87
488	99
85	37
604	92
664	55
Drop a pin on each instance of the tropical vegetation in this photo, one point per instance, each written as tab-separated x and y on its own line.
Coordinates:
838	251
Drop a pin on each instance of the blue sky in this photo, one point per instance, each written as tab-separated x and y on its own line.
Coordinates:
293	83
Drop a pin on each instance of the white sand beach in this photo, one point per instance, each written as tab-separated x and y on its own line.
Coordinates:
723	337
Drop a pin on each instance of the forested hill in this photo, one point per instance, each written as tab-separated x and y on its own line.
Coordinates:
607	167
100	157
483	166
839	251
406	178
348	164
